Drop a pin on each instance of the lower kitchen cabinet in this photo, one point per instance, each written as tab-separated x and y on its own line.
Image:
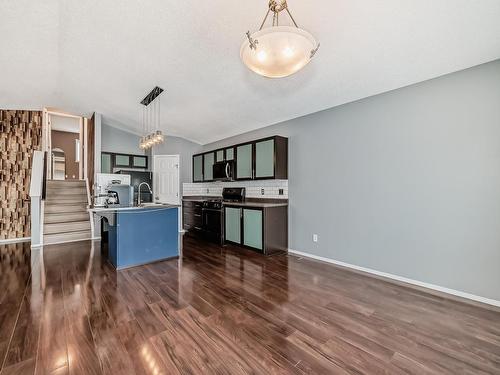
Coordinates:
192	217
264	229
252	228
232	224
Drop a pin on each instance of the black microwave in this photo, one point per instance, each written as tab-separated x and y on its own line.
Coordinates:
223	170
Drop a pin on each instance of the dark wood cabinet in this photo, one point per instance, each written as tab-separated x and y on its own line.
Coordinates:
264	229
262	159
192	217
208	164
110	161
198	168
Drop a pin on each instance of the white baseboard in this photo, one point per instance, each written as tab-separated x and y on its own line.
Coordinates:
386	275
15	240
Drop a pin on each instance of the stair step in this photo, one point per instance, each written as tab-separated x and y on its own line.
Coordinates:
66	202
75	226
52	193
65	199
51	218
60	208
66	237
69	183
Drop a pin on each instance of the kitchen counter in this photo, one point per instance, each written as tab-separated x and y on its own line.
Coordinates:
250	202
255	204
257	223
199	198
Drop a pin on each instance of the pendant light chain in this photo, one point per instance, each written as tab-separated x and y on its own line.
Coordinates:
276	9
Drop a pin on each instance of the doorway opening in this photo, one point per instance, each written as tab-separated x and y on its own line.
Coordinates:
66	141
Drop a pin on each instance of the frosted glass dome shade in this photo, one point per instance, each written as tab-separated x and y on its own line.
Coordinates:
279	51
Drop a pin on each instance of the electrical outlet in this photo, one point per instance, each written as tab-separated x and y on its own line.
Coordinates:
262	191
315	237
280	192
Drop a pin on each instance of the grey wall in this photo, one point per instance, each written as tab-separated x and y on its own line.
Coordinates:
120	141
185	149
406	182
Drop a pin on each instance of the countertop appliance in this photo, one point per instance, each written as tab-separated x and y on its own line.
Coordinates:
136	178
120	195
213	213
223	170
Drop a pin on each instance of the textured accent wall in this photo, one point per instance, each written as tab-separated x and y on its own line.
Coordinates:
20	135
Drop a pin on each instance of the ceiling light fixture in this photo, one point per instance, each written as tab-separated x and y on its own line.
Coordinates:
151	120
278	51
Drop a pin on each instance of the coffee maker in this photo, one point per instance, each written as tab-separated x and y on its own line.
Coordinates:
120	195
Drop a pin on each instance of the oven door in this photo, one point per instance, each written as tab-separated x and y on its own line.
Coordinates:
212	224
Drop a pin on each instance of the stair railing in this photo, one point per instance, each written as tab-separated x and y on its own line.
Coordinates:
89	205
37	195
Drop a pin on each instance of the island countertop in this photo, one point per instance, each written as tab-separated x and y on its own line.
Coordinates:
159	206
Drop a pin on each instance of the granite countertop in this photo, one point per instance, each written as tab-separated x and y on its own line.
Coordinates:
159	206
251	202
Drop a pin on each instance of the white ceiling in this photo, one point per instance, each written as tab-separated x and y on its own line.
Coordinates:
104	56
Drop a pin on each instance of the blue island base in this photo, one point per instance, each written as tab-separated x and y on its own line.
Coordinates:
142	236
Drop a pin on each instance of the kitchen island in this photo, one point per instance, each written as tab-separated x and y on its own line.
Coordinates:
141	235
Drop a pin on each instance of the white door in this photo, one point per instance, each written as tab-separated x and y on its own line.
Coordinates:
166	179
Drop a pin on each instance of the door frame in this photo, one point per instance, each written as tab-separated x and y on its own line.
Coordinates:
47	140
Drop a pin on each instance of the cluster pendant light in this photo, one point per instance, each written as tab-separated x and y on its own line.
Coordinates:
278	51
152	134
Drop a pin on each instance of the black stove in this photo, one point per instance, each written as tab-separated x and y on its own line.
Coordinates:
213	204
213	213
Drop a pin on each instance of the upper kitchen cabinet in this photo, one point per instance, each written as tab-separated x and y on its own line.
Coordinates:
230	153
110	162
208	166
269	159
261	159
244	162
219	155
198	168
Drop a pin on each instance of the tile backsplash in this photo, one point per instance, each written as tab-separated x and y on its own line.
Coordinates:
253	189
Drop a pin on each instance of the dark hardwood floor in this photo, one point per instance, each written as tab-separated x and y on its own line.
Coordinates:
227	311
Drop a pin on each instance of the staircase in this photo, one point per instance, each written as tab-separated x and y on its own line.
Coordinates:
65	215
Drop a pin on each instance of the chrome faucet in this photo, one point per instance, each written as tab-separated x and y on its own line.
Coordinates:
139	192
